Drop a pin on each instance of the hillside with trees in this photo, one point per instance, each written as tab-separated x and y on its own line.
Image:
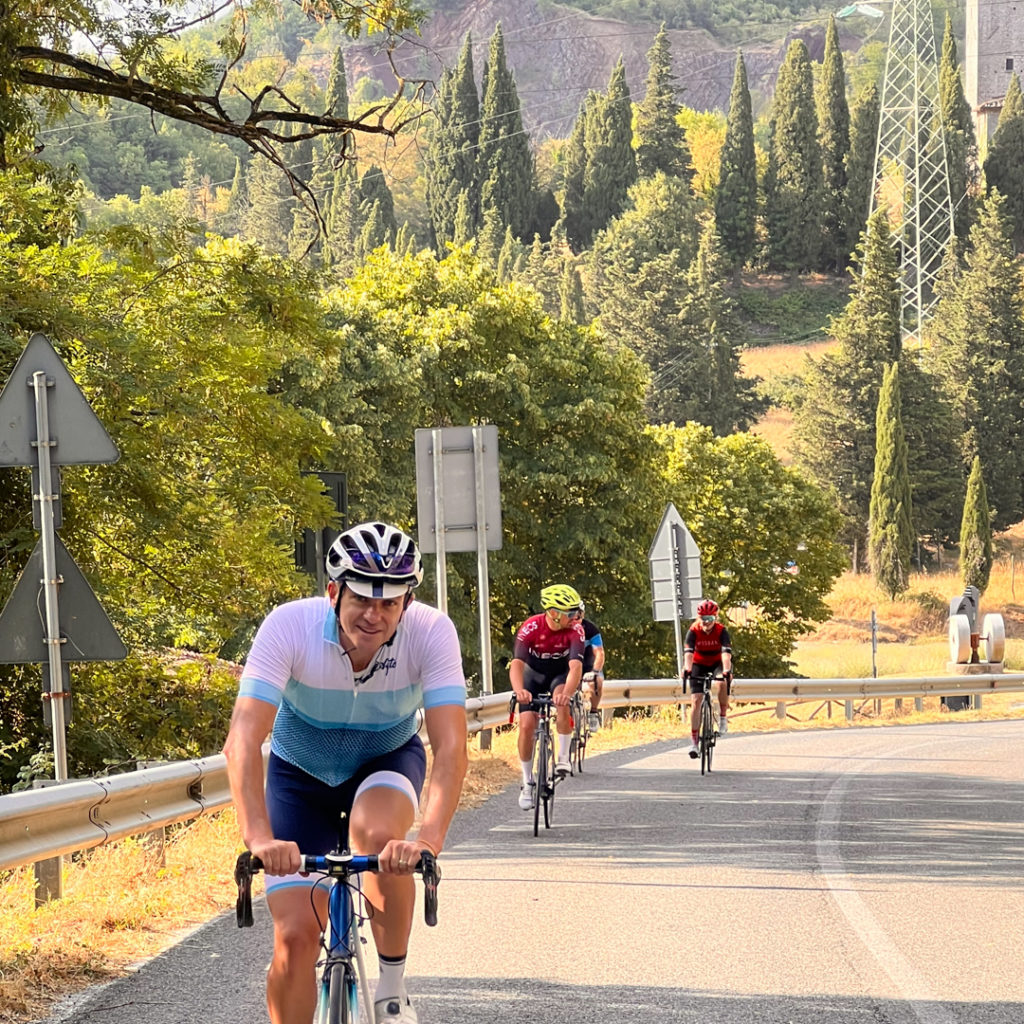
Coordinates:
303	294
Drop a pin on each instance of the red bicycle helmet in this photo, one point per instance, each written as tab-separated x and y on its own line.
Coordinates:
707	607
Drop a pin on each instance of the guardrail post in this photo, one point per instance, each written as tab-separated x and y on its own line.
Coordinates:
50	872
848	705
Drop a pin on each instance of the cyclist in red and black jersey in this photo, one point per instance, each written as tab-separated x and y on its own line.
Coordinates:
707	647
547	658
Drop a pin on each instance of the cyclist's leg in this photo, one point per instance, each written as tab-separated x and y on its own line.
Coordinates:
385	804
563	721
536	684
306	811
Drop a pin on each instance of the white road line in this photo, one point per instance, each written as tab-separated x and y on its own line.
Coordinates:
909	981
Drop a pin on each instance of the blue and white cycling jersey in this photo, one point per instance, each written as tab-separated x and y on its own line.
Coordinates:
329	720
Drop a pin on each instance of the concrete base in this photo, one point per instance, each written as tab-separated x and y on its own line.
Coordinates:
976	668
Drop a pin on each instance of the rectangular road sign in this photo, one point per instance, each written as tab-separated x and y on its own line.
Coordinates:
459	489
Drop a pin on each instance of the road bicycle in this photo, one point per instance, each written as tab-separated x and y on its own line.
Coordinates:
707	730
341	971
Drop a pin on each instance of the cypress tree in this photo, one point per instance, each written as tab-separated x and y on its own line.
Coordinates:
891	533
611	163
1004	165
570	294
464	229
793	179
507	171
710	336
977	350
507	257
976	532
834	138
269	217
238	203
373	235
860	166
736	198
491	236
374	189
834	421
578	225
660	139
958	128
453	157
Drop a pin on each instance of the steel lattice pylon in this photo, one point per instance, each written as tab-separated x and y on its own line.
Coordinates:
911	176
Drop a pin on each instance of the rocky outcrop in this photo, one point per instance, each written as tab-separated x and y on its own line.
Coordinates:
558	54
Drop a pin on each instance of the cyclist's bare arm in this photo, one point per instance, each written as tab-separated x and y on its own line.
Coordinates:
515	675
251	722
446	730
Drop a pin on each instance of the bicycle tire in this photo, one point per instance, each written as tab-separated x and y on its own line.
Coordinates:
706	734
549	789
540	777
341	1003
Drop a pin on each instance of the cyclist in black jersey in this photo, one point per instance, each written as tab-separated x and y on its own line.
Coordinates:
593	666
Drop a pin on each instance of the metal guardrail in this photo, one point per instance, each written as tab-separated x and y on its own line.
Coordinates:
43	823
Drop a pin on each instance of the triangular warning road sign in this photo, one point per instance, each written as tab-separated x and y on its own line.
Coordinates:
89	633
78	436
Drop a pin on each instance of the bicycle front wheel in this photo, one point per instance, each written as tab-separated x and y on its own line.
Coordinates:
341	995
540	778
707	734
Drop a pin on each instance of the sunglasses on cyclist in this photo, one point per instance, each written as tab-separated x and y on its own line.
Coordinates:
708	619
373	563
570	613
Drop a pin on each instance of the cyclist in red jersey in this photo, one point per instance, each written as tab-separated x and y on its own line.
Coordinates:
547	658
707	647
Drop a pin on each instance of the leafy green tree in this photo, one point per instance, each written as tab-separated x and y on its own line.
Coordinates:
977	351
48	66
834	138
890	529
750	516
860	166
1004	165
452	156
834	419
506	162
976	532
659	138
793	180
736	198
958	128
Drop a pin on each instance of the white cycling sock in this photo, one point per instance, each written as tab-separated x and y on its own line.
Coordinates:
563	746
392	977
527	772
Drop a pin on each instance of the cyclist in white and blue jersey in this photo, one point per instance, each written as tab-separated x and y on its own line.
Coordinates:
339	679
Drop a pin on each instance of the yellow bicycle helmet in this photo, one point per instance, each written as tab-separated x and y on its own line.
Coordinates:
561	597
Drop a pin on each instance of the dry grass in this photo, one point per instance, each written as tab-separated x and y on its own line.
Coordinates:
127	902
769	362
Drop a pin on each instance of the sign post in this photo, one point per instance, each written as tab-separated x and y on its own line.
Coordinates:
674	561
45	422
459	509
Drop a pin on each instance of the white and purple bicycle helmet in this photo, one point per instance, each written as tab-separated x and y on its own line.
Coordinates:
375	560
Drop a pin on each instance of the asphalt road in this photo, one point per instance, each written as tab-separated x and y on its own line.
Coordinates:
857	876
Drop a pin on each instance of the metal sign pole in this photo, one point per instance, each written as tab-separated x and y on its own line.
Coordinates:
483	583
45	497
677	586
442	564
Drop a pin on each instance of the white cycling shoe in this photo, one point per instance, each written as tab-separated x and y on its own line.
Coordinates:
526	796
395	1010
723	726
694	750
563	768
